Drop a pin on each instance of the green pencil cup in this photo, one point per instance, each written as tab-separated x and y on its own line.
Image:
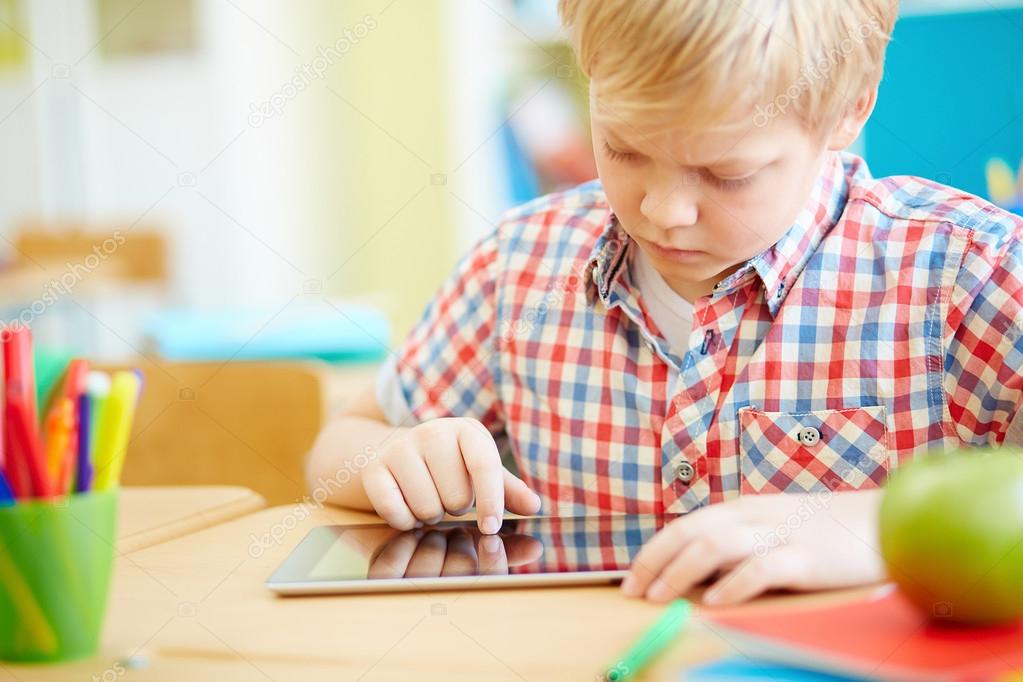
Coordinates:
55	564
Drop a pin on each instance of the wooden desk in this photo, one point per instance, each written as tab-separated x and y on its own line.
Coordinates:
196	608
150	515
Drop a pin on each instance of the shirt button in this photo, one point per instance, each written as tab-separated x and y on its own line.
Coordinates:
809	436
685	472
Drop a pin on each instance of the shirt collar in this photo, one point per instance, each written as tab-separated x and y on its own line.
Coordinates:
608	258
778	266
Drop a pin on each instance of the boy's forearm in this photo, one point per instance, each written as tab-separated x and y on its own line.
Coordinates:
340	454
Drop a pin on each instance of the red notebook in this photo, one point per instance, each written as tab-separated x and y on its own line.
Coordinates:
882	637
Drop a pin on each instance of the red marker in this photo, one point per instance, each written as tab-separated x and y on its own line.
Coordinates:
25	447
74	378
23	459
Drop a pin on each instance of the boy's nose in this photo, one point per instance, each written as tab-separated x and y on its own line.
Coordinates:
674	206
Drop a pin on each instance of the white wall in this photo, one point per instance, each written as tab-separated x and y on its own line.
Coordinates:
476	69
166	140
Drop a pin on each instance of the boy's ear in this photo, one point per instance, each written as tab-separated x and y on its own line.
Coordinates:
848	127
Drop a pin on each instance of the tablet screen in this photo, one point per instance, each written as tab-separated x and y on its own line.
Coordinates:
456	549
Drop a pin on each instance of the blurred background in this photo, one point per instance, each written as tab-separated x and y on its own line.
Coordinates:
212	181
258	157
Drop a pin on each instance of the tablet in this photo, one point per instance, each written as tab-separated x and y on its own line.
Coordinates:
528	551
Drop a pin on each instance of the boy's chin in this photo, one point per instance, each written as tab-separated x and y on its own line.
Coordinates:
702	276
703	268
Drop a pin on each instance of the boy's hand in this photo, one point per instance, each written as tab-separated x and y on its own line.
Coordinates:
762	542
444	465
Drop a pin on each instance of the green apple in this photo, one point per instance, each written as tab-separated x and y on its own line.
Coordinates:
952	535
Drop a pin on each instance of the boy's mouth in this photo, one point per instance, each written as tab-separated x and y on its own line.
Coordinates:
671	253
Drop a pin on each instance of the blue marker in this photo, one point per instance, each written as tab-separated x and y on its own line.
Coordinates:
84	478
6	495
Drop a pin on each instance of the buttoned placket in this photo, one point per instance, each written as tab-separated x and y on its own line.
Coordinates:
692	408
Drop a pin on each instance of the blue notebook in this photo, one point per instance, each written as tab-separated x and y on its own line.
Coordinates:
302	330
739	669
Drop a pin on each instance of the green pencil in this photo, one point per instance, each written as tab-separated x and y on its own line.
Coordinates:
656	638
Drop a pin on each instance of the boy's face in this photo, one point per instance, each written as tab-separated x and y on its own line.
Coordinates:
700	206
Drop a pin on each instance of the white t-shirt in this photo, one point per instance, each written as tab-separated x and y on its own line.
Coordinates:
672	314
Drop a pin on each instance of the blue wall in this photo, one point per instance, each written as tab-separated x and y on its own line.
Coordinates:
951	98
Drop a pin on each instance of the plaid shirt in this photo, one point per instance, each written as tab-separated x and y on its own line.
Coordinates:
885	322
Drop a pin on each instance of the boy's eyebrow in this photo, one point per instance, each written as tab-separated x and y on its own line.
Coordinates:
726	160
729	161
751	160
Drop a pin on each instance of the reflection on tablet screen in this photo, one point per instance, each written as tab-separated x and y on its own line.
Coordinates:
530	545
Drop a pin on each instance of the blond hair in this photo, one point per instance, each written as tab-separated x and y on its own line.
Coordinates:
693	61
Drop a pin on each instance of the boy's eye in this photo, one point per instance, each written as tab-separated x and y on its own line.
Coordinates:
616	155
731	183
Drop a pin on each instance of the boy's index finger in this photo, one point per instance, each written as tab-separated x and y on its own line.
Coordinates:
486	473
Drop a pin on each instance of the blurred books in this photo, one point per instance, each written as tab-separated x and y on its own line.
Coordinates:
337	333
878	637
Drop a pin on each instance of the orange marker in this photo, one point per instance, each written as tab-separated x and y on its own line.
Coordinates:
60	427
74	390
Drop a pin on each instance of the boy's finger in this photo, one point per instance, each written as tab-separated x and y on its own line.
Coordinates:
697	561
654	556
483	461
450	477
778	568
385	495
418	488
518	498
673	538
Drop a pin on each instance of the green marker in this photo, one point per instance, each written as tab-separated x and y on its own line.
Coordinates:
657	637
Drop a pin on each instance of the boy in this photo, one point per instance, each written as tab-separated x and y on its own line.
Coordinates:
735	309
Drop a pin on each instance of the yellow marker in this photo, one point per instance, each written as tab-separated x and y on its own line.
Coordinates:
97	387
114	429
1001	185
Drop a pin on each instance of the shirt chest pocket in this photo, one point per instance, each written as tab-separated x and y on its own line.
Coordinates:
795	452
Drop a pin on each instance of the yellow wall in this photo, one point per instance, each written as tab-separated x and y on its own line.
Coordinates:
396	226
